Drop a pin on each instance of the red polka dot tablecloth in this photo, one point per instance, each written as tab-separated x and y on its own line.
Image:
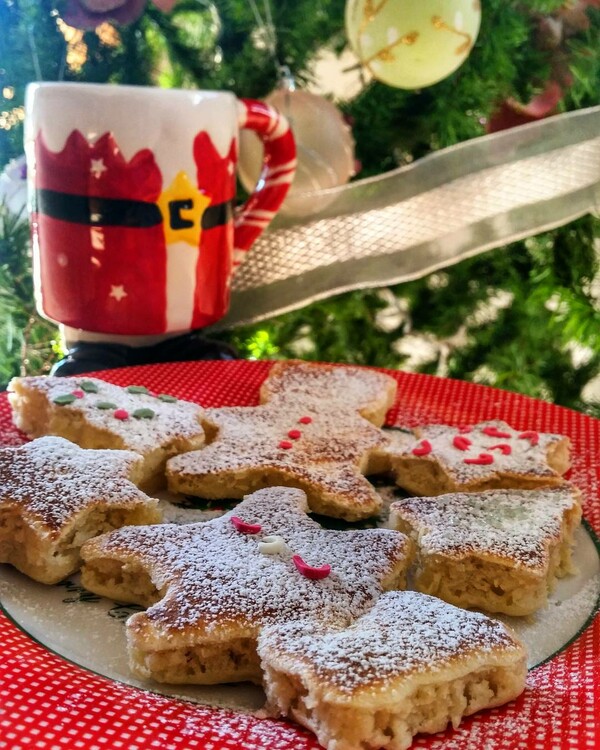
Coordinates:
48	703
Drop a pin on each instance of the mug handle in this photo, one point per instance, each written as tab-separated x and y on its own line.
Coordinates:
279	166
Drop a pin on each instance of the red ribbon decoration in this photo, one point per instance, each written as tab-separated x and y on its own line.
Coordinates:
462	443
483	459
243	527
492	431
530	435
308	571
423	449
504	447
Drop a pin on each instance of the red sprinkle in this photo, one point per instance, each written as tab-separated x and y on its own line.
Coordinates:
483	459
294	434
495	432
245	528
423	448
504	447
286	444
305	420
78	394
530	435
462	443
308	571
121	414
465	428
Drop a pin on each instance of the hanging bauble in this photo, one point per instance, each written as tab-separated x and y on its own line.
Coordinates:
411	44
324	145
13	187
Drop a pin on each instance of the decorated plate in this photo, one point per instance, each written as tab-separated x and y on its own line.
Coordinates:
64	680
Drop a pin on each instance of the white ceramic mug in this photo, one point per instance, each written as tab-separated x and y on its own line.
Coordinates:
131	202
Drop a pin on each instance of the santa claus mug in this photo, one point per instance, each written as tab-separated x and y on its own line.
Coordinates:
131	202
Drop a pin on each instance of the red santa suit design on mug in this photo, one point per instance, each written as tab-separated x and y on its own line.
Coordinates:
99	231
139	241
217	174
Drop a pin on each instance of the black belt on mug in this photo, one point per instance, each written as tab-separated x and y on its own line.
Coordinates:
120	212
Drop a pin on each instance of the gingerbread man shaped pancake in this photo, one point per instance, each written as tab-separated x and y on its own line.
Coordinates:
314	430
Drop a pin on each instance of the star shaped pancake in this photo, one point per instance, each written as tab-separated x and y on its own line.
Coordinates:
309	435
489	455
411	664
55	495
96	414
211	587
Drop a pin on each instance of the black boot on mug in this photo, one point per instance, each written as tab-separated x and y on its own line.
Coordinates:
88	356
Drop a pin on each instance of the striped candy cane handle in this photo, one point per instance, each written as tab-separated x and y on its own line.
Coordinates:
279	166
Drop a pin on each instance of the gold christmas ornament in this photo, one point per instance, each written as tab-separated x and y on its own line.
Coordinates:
410	44
324	145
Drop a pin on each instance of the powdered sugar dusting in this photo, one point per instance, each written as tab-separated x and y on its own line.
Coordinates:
216	575
50	480
558	709
516	525
403	634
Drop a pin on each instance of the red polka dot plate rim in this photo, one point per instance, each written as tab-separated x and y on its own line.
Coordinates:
47	702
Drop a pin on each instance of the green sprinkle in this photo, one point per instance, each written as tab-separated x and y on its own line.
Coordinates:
143	414
168	399
88	386
105	405
68	398
137	389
